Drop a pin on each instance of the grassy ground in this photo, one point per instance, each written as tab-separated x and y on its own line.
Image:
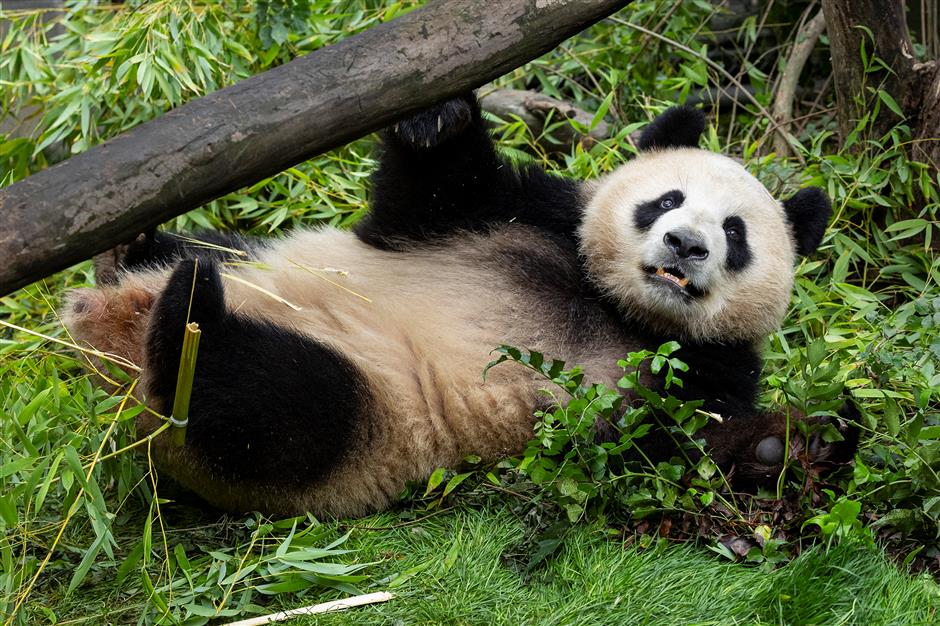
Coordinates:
595	580
450	569
87	536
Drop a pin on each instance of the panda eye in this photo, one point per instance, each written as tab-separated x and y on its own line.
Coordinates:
646	213
734	229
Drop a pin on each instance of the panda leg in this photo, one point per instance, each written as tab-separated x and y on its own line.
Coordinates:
272	411
440	174
438	170
753	446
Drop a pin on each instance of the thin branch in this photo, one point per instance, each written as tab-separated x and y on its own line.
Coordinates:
803	46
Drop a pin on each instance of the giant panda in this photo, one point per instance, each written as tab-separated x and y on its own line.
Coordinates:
335	365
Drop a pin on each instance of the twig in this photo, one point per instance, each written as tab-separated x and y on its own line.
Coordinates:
266	292
325	607
507	491
803	45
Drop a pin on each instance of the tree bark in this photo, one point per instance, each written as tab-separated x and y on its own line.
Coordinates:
914	86
847	21
244	133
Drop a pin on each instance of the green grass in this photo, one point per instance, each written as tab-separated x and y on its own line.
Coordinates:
450	569
596	580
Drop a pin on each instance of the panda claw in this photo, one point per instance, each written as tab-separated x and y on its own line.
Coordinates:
769	450
435	126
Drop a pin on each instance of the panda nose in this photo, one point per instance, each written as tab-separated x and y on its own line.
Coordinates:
687	244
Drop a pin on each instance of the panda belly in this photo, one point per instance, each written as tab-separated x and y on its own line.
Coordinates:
419	326
416	328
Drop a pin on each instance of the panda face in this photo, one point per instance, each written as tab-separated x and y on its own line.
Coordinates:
691	244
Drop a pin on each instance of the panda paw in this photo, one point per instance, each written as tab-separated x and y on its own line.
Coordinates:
194	293
432	127
815	443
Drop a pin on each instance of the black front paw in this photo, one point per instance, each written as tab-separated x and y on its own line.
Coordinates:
815	443
432	127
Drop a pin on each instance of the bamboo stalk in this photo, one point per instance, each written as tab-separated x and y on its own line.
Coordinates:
325	607
184	384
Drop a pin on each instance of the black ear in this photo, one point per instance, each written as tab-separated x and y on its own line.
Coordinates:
678	127
808	212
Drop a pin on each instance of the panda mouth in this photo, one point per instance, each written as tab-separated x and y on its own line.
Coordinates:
674	278
673	275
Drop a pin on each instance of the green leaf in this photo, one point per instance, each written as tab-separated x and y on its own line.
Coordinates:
437	477
891	413
891	103
602	110
91	553
8	510
455	481
816	352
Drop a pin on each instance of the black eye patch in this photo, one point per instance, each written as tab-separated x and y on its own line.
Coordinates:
648	212
739	254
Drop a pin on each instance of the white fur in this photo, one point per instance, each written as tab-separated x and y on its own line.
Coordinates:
745	305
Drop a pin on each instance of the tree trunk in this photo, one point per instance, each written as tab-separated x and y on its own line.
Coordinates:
915	87
244	133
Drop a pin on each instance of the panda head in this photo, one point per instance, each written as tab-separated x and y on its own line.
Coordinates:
689	243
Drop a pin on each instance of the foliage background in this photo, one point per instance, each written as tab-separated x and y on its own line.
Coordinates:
90	535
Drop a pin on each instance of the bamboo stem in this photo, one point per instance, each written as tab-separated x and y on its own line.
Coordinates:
326	607
184	384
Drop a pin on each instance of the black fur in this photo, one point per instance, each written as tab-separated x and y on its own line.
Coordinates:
678	127
808	212
427	188
164	248
269	406
739	253
646	214
428	129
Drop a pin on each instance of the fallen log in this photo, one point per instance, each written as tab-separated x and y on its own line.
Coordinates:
239	135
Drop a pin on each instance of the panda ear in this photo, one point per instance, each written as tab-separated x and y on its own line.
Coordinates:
678	127
808	212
